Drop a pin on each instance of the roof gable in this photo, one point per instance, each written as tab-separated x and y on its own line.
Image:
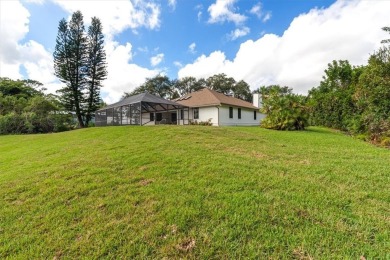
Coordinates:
143	97
207	97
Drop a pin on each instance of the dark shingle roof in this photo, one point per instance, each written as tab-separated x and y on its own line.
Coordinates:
143	97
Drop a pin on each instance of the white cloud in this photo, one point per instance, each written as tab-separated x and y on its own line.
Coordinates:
31	55
172	4
237	33
38	62
256	10
178	64
346	30
267	16
155	60
123	76
192	47
205	66
35	1
199	8
224	10
199	16
117	16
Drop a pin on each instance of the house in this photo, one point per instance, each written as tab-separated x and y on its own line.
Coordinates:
203	105
141	109
220	109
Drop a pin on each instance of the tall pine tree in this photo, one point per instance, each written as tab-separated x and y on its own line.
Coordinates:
96	67
80	63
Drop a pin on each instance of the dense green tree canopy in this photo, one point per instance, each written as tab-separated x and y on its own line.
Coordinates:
356	99
284	110
24	108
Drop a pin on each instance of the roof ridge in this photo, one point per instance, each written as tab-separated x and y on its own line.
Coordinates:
213	93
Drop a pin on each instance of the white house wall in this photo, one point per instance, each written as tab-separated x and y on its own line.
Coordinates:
247	117
206	113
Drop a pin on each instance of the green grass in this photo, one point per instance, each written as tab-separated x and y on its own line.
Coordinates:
193	192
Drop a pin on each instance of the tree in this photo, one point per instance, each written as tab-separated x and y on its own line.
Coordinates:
70	60
266	90
386	29
242	91
80	63
96	67
285	111
373	95
159	85
23	109
221	83
20	88
187	85
332	103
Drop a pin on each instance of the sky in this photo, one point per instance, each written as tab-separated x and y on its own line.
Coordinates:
264	42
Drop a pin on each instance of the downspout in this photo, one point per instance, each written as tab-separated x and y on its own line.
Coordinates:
218	114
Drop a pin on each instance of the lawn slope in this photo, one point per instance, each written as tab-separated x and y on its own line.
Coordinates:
193	192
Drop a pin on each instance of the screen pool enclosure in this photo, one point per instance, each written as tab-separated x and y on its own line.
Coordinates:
142	109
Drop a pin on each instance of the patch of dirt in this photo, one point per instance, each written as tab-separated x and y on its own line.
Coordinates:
300	254
259	155
302	213
57	255
306	162
143	168
186	245
145	182
101	206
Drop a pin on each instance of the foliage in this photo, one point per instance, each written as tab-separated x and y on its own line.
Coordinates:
20	88
164	87
332	102
96	68
212	193
355	99
204	123
221	83
187	85
159	85
266	90
26	110
79	62
284	110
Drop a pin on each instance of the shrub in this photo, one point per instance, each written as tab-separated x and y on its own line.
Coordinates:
204	123
285	111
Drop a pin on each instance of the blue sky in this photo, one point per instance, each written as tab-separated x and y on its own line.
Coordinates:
287	42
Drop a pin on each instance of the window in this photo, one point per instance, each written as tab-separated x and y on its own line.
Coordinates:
182	114
151	116
254	115
230	112
239	113
196	113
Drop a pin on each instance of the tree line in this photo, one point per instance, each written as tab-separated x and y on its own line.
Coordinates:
164	87
354	99
25	109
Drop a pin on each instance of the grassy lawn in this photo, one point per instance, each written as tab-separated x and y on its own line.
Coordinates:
193	192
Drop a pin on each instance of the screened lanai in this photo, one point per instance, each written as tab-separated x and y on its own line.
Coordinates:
142	109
